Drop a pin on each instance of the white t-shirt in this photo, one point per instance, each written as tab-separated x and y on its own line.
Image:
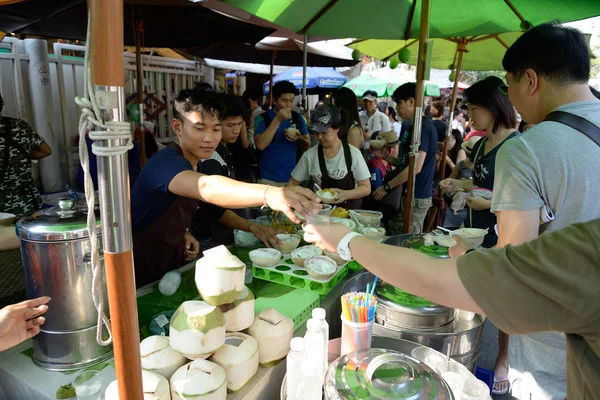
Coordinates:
458	125
397	126
378	122
308	166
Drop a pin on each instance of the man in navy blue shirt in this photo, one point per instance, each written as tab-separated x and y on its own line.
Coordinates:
404	96
277	134
169	188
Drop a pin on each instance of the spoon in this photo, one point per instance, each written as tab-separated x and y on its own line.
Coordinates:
318	187
445	230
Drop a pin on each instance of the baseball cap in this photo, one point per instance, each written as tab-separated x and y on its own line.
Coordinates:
370	95
323	117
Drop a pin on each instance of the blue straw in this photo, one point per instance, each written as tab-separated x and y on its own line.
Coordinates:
373	287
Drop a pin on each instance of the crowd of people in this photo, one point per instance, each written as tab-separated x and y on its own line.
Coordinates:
518	162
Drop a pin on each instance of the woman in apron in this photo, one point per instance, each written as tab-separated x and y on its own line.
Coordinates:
333	164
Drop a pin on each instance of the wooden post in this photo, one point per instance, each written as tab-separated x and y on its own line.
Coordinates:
419	96
108	79
139	73
461	48
273	55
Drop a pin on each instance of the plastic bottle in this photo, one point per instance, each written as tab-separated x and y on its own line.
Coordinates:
313	348
169	283
310	387
320	314
294	368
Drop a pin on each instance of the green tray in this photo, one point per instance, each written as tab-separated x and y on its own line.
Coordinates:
288	274
293	303
354	266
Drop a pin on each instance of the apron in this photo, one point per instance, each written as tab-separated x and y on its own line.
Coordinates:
346	183
159	243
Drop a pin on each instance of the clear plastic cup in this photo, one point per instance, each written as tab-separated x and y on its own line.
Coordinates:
428	356
454	367
356	336
87	385
455	381
474	389
321	218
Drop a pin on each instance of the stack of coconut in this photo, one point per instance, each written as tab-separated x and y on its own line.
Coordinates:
209	333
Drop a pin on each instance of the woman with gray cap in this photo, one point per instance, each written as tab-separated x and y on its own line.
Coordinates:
333	164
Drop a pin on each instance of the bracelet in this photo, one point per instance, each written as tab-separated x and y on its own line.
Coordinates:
265	197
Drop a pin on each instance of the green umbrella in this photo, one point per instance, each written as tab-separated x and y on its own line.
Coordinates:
399	19
385	84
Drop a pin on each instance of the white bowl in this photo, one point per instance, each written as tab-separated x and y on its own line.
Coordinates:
265	257
474	236
320	267
344	221
325	197
300	255
289	242
375	234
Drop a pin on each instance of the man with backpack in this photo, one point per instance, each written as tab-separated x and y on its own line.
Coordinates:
277	134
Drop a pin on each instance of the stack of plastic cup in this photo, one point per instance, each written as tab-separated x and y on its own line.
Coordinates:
356	336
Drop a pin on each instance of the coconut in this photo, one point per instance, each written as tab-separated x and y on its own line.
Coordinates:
376	234
289	242
239	315
273	331
219	276
199	380
155	387
320	267
197	329
159	358
300	255
239	359
335	257
265	257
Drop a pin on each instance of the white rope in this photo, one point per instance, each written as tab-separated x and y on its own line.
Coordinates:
89	119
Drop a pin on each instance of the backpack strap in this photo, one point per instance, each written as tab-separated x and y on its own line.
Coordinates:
576	122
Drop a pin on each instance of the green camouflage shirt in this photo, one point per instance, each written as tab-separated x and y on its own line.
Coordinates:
18	192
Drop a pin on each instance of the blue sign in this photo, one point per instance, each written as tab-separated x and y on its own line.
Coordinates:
326	78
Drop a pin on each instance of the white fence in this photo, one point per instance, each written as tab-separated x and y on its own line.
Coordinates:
163	79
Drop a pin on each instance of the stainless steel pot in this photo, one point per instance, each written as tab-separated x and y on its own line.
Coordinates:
401	241
55	249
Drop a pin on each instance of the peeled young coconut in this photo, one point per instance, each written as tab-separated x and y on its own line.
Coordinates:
199	380
219	276
320	267
300	255
273	331
289	242
265	257
159	357
197	329
155	387
239	315
239	359
335	257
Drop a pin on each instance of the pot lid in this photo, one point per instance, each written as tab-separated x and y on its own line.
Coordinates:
382	374
404	309
66	221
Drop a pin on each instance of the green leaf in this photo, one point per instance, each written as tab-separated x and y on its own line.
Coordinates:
65	392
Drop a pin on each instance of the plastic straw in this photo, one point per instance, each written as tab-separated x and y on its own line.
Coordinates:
358	307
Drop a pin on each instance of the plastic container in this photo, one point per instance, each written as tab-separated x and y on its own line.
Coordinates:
375	234
321	315
428	356
245	239
367	217
356	336
314	348
169	283
344	221
455	381
320	218
474	389
87	385
294	368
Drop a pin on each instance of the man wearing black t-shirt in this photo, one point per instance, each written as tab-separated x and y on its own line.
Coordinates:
404	96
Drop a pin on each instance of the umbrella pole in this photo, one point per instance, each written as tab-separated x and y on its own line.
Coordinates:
420	94
304	63
273	55
461	49
139	29
108	79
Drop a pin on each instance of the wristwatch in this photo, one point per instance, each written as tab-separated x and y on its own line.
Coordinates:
386	187
343	248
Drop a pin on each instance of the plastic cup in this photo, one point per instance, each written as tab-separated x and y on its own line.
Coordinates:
428	356
455	381
321	218
87	385
454	367
356	336
474	389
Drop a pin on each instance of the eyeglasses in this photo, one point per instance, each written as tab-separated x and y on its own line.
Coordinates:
503	89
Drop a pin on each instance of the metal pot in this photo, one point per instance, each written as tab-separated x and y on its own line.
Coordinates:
401	241
55	249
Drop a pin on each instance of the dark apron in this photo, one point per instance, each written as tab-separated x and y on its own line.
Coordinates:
158	244
346	183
